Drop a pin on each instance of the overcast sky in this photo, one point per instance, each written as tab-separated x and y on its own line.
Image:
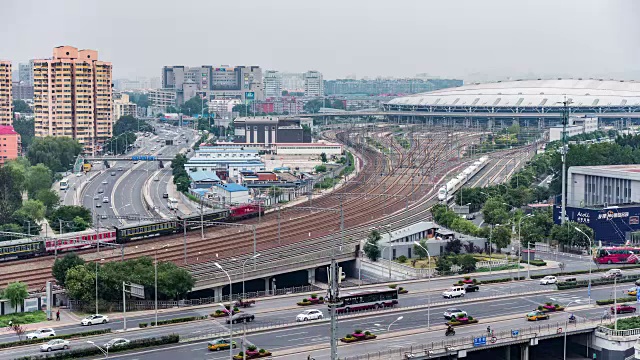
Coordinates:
473	39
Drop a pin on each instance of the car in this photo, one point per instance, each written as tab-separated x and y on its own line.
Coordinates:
135	161
471	288
453	313
241	317
97	197
311	314
116	343
548	280
159	153
104	216
104	182
156	179
454	291
220	344
165	196
41	333
100	191
79	174
55	344
537	315
113	173
624	308
470	216
632	291
98	205
105	199
120	168
612	273
95	319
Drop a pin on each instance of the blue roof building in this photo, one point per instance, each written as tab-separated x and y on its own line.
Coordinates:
203	179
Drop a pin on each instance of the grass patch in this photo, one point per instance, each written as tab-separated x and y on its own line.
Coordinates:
23	318
627	323
498	268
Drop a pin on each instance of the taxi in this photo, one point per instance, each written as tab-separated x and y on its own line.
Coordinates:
219	344
537	315
632	291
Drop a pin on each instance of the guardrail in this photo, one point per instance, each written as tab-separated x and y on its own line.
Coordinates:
502	337
622	333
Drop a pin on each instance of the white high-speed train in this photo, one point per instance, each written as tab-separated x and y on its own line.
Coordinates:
456	183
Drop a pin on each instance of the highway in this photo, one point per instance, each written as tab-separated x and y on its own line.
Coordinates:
497	300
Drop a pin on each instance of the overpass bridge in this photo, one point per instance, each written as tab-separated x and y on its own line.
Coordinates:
128	158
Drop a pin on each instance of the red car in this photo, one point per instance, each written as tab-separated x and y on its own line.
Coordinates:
624	308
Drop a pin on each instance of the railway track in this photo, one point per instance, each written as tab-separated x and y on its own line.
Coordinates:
291	231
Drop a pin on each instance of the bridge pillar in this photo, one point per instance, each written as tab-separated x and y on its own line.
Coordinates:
217	293
311	276
507	352
524	352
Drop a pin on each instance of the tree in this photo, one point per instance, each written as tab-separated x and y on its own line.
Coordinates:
48	198
26	129
443	264
33	209
140	99
314	106
494	211
567	235
418	250
128	123
453	246
39	177
10	192
69	214
371	248
62	265
194	106
56	153
501	237
18	329
20	106
16	293
467	262
182	183
323	157
320	168
241	109
79	282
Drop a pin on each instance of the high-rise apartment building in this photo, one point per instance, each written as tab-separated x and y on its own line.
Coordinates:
292	82
25	73
5	93
272	84
313	84
122	106
9	144
224	82
72	96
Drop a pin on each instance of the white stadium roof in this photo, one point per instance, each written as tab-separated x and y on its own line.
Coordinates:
531	93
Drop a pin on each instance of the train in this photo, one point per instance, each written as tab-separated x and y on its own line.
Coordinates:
446	192
39	246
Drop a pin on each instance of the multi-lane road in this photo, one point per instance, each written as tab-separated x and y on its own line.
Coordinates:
502	306
118	191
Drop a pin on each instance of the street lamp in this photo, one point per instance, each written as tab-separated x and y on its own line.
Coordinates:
520	245
230	311
393	322
428	282
105	351
155	268
590	246
243	264
97	285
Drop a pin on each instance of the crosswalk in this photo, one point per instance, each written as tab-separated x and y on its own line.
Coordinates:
565	299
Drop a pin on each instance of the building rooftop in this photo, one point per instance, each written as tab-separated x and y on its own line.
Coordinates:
203	176
606	170
257	119
223	149
406	231
7	130
232	187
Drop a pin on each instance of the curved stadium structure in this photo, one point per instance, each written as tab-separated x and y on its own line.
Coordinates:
538	100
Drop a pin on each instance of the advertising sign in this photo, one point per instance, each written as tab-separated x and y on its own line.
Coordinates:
249	95
610	225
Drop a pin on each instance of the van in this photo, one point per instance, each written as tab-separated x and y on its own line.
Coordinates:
454	291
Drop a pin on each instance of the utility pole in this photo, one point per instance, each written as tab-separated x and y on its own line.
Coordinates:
565	120
334	300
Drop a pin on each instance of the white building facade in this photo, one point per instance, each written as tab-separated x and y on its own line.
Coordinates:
272	84
313	84
603	185
576	126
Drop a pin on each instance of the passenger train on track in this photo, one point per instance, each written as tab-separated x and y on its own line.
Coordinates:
39	246
446	192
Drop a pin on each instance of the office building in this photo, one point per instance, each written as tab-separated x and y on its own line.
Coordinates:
224	82
272	84
25	73
22	91
72	97
287	105
313	84
9	144
292	82
160	99
576	125
6	100
122	106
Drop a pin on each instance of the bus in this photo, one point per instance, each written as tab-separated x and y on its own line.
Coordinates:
367	299
64	184
617	255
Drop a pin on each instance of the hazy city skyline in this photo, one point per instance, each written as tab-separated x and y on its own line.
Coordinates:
472	40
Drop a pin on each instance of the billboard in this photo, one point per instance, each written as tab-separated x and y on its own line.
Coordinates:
610	225
249	95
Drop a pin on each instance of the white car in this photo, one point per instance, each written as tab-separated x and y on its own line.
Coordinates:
548	280
453	313
454	291
104	182
310	315
79	174
95	319
116	342
41	333
105	199
55	344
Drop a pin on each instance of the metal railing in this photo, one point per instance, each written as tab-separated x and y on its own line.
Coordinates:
506	336
611	332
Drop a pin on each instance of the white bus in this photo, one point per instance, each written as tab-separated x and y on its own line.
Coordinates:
64	184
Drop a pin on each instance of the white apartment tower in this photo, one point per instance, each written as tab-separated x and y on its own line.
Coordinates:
313	84
272	84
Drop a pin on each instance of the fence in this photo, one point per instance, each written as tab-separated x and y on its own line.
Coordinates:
136	305
491	263
502	337
623	333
